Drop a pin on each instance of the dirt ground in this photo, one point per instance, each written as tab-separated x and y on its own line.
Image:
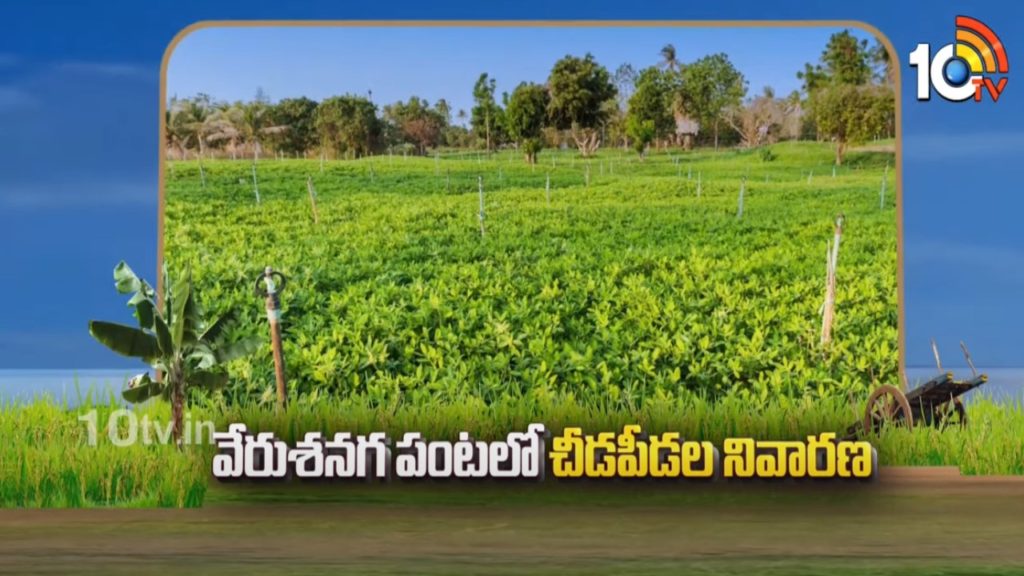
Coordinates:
928	521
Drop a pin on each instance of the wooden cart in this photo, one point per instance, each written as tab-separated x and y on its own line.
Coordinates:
935	403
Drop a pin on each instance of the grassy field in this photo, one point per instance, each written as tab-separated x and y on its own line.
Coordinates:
46	460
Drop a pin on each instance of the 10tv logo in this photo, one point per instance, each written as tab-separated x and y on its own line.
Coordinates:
965	69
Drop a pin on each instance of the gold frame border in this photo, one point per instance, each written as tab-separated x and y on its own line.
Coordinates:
893	56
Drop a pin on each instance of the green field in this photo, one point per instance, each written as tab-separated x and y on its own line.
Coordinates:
628	298
627	286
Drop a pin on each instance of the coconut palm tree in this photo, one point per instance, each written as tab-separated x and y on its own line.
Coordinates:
176	130
224	126
668	58
255	123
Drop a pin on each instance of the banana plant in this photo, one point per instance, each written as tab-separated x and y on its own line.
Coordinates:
174	340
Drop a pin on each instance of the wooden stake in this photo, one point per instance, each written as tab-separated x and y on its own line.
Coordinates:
809	176
743	189
480	215
448	181
255	183
312	199
547	187
831	261
881	194
698	184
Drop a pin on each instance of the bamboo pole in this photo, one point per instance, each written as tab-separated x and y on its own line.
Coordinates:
480	215
743	189
881	194
832	259
255	183
312	198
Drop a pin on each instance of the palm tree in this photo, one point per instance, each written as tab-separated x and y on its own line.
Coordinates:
195	122
668	58
224	125
176	130
255	123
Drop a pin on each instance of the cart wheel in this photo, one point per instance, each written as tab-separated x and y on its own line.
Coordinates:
887	405
956	407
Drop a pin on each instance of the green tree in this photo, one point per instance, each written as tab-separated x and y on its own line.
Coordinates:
416	122
525	117
642	133
299	115
649	115
191	122
842	100
579	89
885	71
846	59
711	85
255	124
486	115
348	124
177	342
851	114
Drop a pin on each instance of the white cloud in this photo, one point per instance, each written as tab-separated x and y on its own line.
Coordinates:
45	196
960	146
14	99
994	261
110	69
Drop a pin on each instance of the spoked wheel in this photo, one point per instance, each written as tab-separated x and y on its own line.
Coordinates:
887	406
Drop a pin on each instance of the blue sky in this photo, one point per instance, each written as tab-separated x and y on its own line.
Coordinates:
444	62
79	89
